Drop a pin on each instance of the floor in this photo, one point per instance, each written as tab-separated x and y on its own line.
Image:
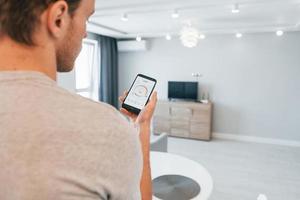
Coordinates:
242	171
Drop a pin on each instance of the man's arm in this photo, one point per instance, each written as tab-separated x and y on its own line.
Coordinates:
146	181
143	121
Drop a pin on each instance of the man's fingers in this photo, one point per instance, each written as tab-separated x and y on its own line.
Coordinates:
146	112
152	103
154	96
122	98
126	112
153	99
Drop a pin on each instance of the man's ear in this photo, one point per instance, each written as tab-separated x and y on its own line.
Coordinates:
58	19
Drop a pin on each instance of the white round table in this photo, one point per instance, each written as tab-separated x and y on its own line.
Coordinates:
167	163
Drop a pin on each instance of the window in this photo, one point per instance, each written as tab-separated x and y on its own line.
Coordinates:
87	73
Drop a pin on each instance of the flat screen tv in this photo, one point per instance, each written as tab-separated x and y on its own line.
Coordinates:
183	90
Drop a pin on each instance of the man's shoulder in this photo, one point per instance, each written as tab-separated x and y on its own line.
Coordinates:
92	121
81	107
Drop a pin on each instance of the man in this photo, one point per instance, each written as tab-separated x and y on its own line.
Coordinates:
53	144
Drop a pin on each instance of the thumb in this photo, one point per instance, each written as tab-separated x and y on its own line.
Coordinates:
153	100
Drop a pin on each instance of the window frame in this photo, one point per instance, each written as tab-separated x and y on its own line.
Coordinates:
93	89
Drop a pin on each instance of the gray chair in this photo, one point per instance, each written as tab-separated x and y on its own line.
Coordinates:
159	143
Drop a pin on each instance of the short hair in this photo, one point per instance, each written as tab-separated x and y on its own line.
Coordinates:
19	18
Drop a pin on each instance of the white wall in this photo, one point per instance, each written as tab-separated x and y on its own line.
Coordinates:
254	81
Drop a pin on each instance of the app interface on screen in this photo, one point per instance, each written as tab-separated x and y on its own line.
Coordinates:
139	92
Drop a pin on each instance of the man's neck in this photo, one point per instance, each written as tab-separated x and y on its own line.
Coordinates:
16	57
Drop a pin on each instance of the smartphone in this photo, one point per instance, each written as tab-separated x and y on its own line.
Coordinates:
139	93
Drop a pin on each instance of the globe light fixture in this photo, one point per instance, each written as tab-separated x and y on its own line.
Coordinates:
189	36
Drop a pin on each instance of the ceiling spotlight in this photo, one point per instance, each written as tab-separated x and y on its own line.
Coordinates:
202	36
262	197
279	33
138	38
124	17
235	8
168	37
175	14
238	35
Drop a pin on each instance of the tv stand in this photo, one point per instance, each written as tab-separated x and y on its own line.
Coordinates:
184	119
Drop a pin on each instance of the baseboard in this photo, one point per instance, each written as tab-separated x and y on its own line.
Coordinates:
246	138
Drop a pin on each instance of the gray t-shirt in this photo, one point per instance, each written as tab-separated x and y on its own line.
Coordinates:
60	146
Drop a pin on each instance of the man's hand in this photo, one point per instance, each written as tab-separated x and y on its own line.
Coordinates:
146	113
143	120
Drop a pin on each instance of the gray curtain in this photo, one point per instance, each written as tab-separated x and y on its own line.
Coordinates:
109	71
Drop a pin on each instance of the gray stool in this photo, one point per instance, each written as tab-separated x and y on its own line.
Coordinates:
175	187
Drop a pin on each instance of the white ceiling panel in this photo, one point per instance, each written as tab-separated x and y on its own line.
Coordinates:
150	18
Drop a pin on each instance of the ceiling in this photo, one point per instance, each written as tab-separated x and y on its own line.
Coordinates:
152	18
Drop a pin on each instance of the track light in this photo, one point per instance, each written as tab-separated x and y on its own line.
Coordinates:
168	37
202	36
238	35
279	33
175	14
124	17
262	197
235	8
138	38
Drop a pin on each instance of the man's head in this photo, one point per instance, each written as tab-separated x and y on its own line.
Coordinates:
62	23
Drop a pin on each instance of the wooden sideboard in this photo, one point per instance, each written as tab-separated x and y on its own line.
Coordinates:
183	119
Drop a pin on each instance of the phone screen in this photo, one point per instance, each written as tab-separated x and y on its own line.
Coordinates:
140	92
